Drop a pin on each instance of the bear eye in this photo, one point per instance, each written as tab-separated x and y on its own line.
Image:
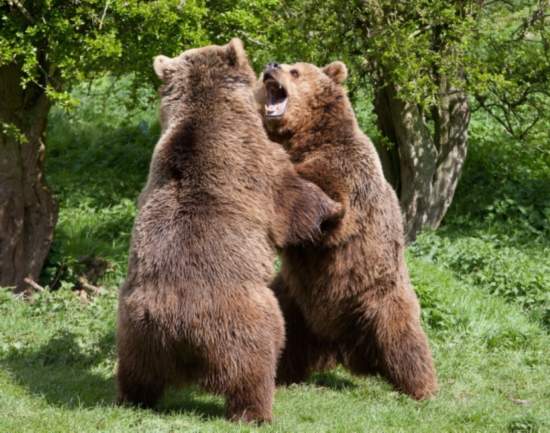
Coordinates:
294	73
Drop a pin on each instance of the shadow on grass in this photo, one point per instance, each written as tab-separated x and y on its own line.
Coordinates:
331	380
190	401
61	371
65	373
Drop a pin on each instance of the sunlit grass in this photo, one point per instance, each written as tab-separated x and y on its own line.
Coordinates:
58	363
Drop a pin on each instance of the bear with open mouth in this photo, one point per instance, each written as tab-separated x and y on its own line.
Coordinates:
348	297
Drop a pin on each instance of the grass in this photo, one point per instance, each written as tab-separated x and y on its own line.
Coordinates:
482	280
58	362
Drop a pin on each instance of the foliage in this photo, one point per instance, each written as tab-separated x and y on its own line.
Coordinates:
506	183
98	158
497	51
499	269
10	130
512	66
60	43
497	230
250	20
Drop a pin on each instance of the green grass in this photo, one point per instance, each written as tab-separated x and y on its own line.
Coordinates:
58	362
482	280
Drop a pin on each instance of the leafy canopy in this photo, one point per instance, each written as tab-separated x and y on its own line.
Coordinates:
57	43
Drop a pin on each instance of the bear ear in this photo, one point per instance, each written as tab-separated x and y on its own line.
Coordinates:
338	71
163	67
236	53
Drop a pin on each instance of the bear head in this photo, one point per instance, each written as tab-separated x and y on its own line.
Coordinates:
190	77
290	98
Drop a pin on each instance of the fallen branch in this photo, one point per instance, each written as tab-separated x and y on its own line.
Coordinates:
89	288
34	284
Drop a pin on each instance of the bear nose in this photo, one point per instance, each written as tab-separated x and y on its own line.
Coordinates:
271	66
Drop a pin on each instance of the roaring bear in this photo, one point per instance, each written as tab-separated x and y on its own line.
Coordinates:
348	297
220	199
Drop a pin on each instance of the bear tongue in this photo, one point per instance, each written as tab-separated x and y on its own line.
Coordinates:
275	109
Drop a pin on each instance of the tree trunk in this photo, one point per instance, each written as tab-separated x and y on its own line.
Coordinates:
28	212
423	167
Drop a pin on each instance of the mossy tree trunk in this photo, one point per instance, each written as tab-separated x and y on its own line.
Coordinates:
423	163
415	57
28	212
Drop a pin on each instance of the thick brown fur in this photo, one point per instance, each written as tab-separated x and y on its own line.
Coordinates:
347	297
219	200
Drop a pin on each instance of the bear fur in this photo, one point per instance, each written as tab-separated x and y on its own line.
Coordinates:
220	198
347	298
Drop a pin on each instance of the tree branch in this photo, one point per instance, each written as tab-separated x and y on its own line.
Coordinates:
104	13
22	9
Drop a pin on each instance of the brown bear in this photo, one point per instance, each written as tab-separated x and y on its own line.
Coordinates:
220	198
347	297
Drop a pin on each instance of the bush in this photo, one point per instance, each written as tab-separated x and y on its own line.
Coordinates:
98	159
498	268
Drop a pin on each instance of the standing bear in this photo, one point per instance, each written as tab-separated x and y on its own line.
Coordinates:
347	298
220	198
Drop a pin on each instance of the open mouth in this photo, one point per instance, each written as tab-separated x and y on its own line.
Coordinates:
276	97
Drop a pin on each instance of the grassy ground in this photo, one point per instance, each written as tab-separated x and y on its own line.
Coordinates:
482	278
58	365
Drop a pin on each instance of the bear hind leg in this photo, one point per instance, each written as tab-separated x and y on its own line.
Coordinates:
141	372
396	346
303	353
252	399
137	392
242	359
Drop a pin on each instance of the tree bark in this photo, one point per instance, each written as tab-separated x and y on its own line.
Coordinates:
28	212
423	166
